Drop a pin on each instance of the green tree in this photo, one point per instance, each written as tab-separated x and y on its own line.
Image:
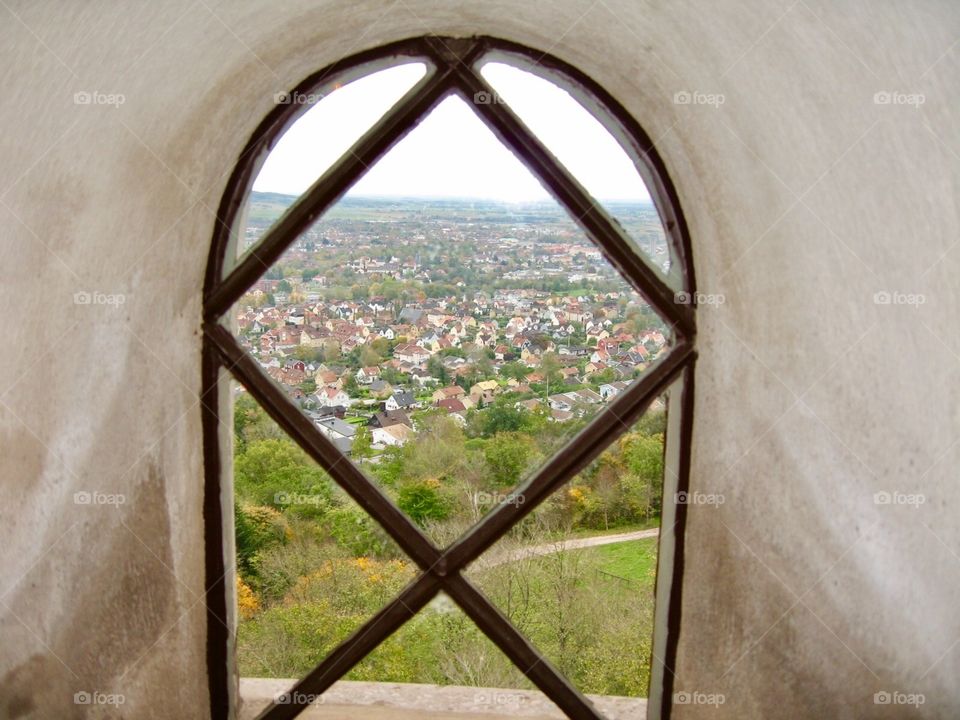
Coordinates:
277	473
550	367
422	501
507	456
516	370
503	416
437	369
369	357
362	448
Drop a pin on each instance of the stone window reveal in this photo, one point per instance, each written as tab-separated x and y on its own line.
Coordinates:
452	68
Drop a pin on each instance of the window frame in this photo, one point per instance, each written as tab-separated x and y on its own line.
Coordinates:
452	69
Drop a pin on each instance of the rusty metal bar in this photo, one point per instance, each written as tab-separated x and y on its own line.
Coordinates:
454	72
568	461
374	144
520	650
288	416
355	648
591	217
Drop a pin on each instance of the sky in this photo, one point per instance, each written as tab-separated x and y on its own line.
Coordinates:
451	153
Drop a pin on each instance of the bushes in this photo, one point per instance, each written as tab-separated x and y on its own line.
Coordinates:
313	567
276	472
423	501
257	528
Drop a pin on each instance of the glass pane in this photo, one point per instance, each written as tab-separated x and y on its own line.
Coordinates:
335	116
311	565
450	344
449	327
590	152
577	576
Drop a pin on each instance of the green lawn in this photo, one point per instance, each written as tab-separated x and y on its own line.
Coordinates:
635	560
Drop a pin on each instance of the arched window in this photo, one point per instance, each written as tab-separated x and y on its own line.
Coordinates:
470	69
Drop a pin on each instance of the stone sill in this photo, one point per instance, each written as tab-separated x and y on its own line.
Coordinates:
401	701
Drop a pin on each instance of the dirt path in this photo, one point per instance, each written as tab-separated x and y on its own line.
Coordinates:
563	545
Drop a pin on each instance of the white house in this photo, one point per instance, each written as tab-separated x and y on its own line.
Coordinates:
392	435
331	397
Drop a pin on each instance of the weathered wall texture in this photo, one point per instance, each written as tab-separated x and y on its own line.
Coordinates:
805	196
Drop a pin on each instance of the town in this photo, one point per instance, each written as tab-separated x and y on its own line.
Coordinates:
449	348
445	306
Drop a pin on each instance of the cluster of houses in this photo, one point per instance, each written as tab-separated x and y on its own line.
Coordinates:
433	346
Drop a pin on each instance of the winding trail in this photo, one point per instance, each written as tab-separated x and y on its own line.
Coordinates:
563	545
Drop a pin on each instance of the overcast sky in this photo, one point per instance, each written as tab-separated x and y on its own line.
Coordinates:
451	153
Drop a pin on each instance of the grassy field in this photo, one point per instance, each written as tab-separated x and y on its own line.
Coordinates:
635	561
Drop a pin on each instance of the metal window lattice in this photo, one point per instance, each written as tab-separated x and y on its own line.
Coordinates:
452	69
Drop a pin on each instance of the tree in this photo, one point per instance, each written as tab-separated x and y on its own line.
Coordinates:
550	367
516	370
369	357
251	423
503	416
277	473
331	351
350	386
507	456
308	353
362	448
422	501
437	369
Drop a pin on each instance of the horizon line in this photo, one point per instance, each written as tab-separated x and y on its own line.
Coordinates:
648	201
